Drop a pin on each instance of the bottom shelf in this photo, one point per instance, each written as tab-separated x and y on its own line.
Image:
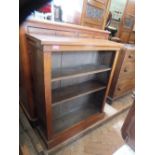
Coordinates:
74	117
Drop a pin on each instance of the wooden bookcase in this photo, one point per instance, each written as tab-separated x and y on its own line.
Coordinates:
71	78
46	28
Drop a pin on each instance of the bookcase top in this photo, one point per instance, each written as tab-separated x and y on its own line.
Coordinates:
70	41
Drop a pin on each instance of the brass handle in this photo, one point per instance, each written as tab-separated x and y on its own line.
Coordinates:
125	70
130	56
118	88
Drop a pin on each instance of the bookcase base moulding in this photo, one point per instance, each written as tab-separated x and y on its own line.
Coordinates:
71	78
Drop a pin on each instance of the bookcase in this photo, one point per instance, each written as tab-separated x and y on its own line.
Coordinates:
33	26
71	78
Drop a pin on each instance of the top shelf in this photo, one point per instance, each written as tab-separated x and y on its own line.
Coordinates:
72	72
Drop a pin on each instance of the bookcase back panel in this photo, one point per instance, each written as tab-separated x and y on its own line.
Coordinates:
67	114
70	63
70	106
79	80
72	81
100	77
75	59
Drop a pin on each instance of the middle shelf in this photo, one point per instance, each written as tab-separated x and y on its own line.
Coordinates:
67	93
72	72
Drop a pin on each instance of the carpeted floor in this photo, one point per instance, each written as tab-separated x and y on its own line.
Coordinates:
104	140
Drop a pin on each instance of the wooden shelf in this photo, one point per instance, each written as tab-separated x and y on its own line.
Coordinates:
71	92
74	117
66	73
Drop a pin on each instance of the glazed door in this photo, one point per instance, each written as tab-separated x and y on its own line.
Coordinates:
128	22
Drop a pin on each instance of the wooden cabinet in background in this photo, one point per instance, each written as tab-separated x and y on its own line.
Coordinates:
128	128
124	77
126	29
94	13
132	37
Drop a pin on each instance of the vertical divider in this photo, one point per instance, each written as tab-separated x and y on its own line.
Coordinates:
61	68
110	79
47	92
41	77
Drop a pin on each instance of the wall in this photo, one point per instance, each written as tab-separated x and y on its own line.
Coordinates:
72	10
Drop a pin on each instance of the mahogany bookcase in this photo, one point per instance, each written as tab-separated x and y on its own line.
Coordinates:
71	78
